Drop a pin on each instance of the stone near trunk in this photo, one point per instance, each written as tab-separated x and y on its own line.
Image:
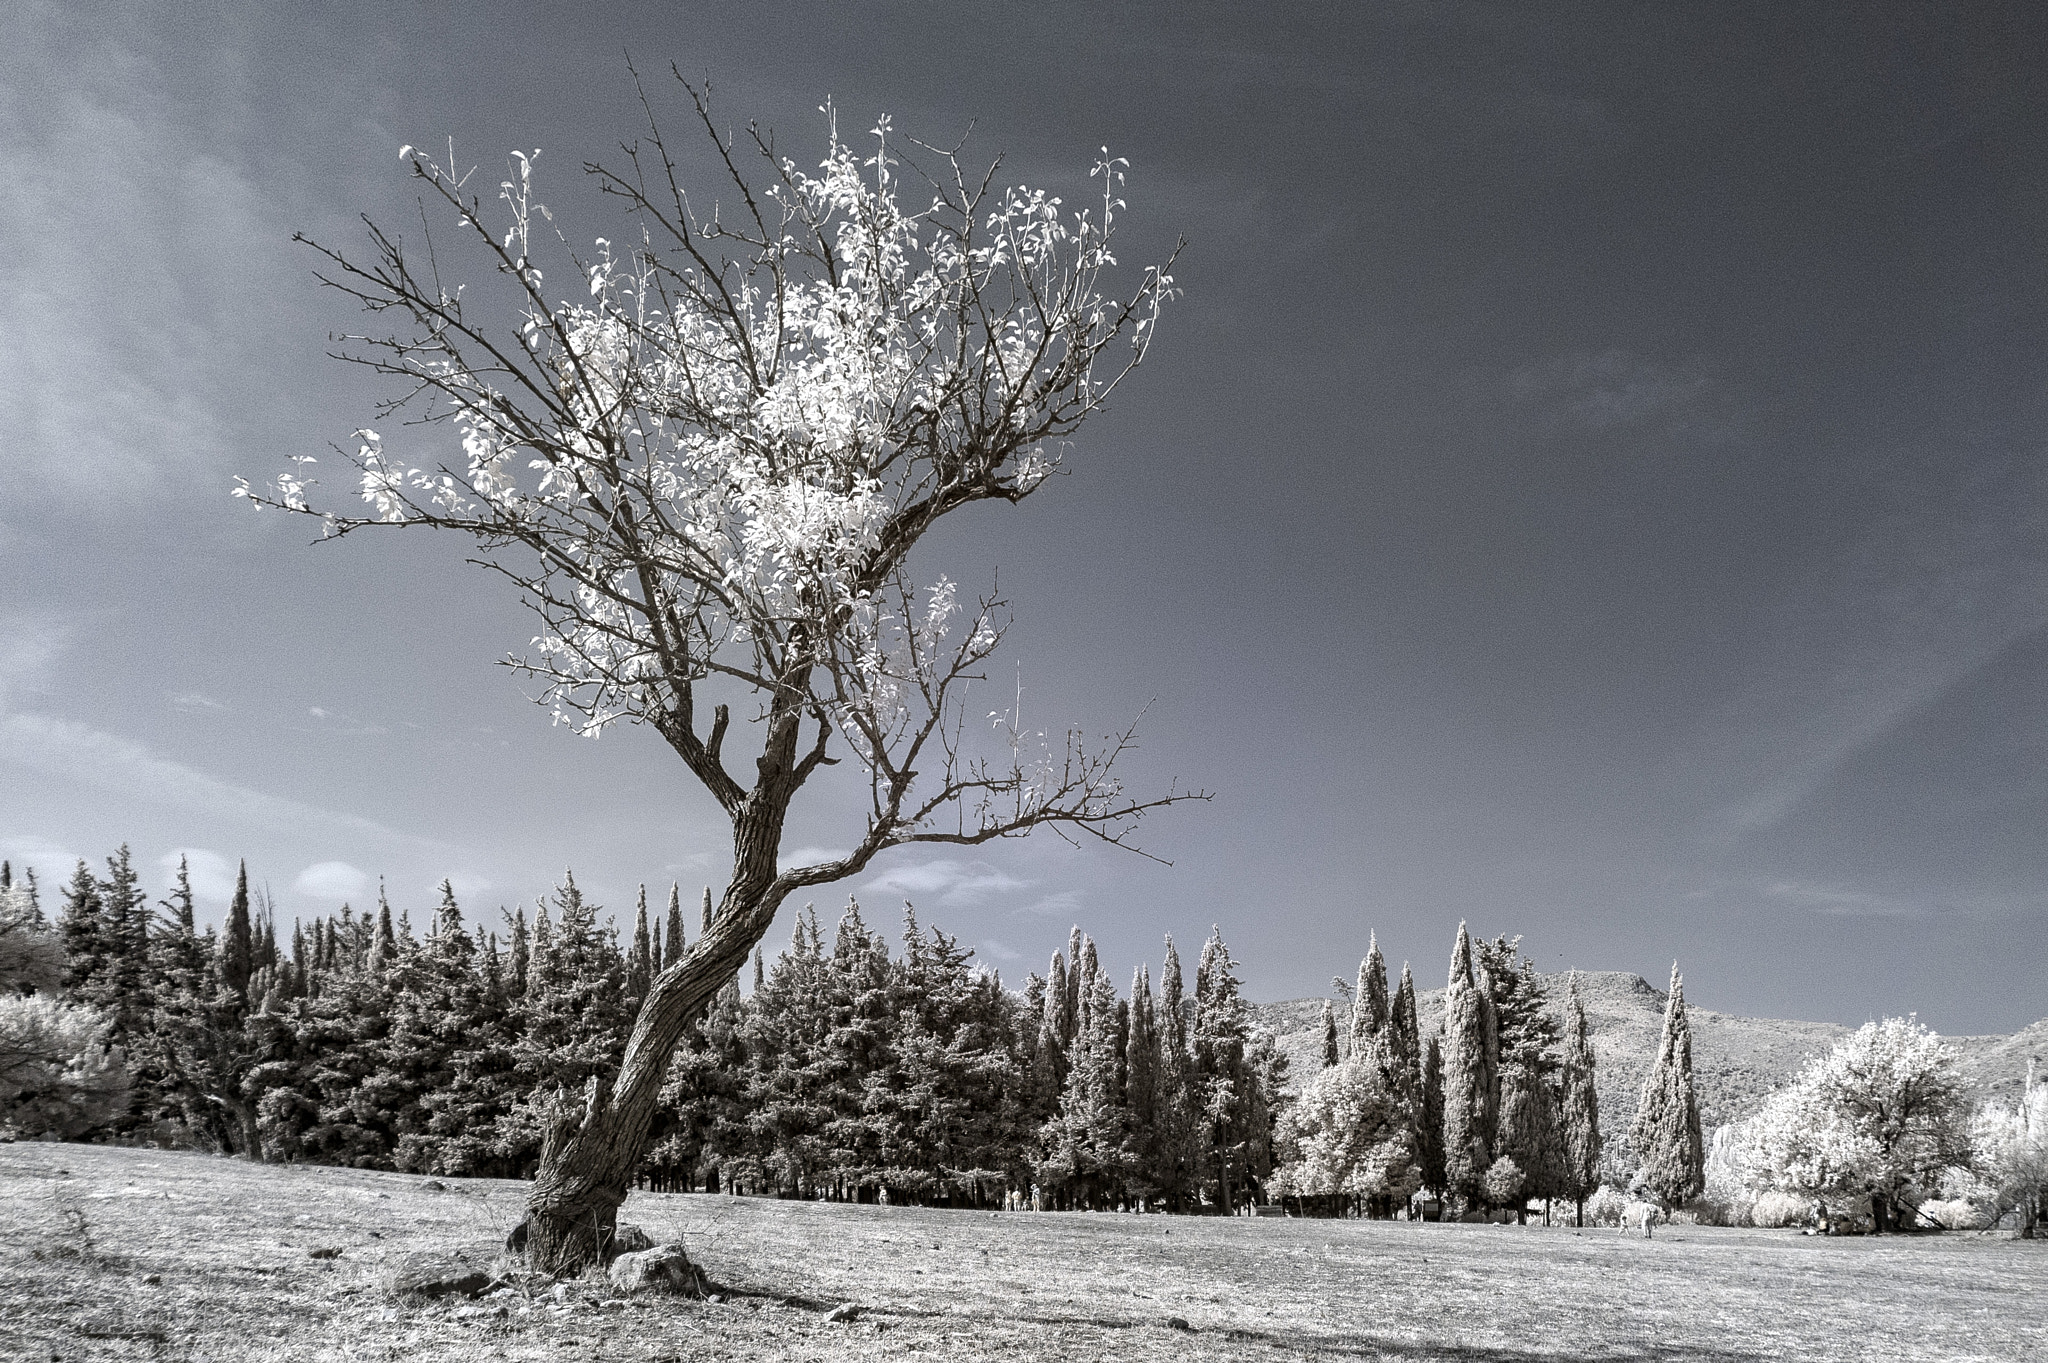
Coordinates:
431	1273
629	1239
664	1268
844	1313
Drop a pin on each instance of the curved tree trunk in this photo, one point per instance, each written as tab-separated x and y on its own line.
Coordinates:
593	1140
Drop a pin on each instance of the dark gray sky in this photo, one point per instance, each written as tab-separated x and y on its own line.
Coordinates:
1593	486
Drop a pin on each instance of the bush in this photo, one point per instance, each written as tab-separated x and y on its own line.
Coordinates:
1954	1213
57	1075
1603	1208
1775	1209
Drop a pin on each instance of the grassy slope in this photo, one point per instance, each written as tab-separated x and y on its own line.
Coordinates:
230	1243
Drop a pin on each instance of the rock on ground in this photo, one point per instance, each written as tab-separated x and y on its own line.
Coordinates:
439	1273
664	1268
629	1239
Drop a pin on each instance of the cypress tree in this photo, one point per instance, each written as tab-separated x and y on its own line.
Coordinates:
1666	1132
1141	1085
1404	1042
707	910
238	941
1176	1117
1369	1002
1470	1061
673	939
1430	1123
1329	1034
1070	1013
1578	1107
640	962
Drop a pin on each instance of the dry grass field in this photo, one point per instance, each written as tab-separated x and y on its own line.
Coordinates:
147	1255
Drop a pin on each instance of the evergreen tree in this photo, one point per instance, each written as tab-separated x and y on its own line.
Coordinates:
1404	1043
1141	1089
640	966
126	921
88	954
707	909
1430	1123
1330	1056
1369	1001
674	942
521	951
1470	1062
1527	1130
1578	1108
238	942
1665	1135
1174	1154
1219	1081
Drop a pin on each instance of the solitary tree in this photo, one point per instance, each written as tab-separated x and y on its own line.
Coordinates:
704	453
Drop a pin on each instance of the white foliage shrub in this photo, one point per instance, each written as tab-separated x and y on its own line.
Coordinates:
1605	1206
1774	1209
57	1075
1954	1213
31	958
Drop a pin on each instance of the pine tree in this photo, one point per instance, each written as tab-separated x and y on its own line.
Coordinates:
521	951
1665	1135
125	910
385	952
1578	1107
88	954
1330	1056
1470	1063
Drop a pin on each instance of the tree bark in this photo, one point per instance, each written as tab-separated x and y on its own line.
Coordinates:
593	1141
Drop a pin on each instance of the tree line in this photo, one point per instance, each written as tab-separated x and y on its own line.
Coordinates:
1493	1110
848	1071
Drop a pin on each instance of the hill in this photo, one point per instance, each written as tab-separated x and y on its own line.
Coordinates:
1737	1061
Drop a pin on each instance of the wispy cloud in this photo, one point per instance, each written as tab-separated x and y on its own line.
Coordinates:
1062	904
335	880
137	237
52	860
192	703
811	856
1840	901
946	881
